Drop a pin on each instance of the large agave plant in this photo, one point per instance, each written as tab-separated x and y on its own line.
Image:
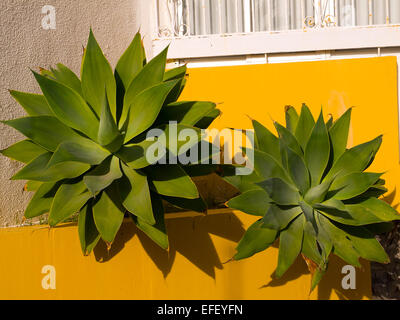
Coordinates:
313	194
85	148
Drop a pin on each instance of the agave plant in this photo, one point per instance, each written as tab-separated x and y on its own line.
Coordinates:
313	194
86	143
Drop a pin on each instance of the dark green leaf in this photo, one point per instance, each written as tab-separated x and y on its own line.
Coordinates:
42	199
266	141
256	202
131	62
96	75
353	184
33	104
151	75
38	170
23	151
157	232
305	126
135	194
339	134
65	76
172	180
292	118
103	175
48	132
290	243
69	199
279	217
256	239
317	150
88	234
145	109
355	159
108	213
280	192
69	106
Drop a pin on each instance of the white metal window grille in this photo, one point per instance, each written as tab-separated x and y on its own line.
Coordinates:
204	28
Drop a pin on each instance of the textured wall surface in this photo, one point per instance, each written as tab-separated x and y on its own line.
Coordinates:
25	44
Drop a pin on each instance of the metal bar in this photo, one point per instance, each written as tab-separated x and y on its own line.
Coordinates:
303	12
253	15
353	12
270	10
370	12
287	15
387	12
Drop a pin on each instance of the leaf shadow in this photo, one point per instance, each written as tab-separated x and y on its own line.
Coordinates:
188	236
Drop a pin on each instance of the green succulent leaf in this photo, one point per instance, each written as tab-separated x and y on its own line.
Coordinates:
131	62
185	112
208	119
24	151
32	185
88	234
280	192
68	200
145	108
151	75
134	155
366	245
97	75
339	133
67	77
175	73
342	246
69	107
317	150
103	175
47	132
355	159
298	170
267	167
158	231
84	150
172	180
108	213
42	200
290	243
304	127
108	130
266	141
353	184
38	170
292	118
135	194
257	238
288	139
278	217
197	205
33	104
255	202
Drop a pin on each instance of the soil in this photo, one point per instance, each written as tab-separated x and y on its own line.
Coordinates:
386	277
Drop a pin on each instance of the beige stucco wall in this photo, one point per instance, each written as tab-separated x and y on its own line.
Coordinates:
24	44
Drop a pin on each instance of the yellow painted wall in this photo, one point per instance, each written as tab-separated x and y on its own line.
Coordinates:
135	268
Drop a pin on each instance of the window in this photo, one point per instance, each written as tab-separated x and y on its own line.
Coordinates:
216	28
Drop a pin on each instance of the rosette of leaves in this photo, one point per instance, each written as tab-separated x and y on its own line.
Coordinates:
85	147
314	194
